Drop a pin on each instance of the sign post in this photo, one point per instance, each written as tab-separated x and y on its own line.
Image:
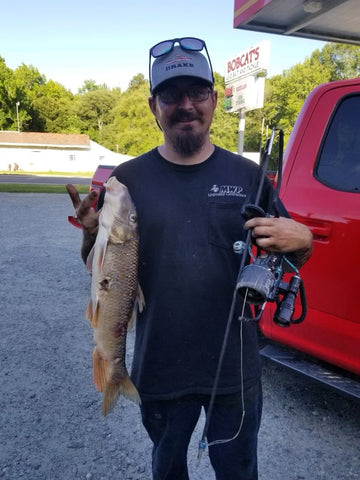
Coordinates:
244	88
241	131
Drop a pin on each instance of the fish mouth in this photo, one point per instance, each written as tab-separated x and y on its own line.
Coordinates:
109	186
112	184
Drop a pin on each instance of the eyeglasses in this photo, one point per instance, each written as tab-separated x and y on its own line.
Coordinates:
186	43
190	44
173	95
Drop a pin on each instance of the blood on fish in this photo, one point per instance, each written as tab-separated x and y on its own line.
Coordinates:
120	330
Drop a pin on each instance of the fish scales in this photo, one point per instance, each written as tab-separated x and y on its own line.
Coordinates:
115	294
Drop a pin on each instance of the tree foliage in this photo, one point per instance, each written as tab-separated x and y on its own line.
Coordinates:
224	128
123	122
341	61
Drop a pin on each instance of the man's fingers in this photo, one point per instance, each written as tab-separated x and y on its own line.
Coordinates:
74	195
84	207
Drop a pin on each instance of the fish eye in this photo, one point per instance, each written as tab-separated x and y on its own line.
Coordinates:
133	217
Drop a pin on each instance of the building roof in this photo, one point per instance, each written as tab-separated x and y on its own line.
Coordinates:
329	20
44	140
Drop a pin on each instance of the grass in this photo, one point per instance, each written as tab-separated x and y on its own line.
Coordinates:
38	188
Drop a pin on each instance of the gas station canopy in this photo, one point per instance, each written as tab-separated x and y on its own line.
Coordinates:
327	20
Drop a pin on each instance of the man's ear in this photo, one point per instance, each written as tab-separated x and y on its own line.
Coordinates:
152	105
215	97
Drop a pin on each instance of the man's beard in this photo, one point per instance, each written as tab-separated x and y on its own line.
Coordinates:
187	142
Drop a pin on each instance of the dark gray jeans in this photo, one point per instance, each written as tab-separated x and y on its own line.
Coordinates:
170	424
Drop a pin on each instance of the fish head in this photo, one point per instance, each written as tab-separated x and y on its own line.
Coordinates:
118	214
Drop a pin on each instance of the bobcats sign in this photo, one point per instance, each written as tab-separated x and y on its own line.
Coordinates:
248	62
244	88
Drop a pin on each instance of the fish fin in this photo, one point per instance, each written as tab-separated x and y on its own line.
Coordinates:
139	305
140	299
100	370
94	319
89	311
123	387
102	243
101	256
90	259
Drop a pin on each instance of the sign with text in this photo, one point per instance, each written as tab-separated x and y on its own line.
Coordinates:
245	94
248	62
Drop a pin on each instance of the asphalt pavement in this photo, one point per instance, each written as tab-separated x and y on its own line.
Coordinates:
51	423
43	179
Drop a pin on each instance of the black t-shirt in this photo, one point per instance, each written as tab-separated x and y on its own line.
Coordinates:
189	218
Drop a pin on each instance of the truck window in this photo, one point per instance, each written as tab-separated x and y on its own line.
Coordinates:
338	164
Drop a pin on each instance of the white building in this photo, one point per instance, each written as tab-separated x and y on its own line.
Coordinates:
56	152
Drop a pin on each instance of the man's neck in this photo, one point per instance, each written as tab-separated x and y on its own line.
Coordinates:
172	156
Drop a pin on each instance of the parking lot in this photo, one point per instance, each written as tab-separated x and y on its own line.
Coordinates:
51	422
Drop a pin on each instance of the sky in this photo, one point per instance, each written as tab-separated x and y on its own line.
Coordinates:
108	40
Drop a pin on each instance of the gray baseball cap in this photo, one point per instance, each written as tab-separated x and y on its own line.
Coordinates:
179	63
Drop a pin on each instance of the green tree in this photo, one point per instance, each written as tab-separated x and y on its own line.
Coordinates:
341	60
138	81
7	106
94	110
56	109
134	129
27	81
254	135
223	131
286	93
91	86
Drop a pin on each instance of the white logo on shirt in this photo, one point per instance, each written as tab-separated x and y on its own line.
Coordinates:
226	191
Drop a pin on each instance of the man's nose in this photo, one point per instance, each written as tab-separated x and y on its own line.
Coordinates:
184	100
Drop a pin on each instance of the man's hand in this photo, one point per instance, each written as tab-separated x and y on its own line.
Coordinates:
86	215
282	235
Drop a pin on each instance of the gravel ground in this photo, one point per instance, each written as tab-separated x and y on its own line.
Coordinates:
51	422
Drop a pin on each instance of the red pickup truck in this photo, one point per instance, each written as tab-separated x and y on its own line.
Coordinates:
321	188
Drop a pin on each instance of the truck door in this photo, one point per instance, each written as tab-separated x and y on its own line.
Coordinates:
337	170
323	192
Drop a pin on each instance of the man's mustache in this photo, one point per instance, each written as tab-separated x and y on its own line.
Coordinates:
183	117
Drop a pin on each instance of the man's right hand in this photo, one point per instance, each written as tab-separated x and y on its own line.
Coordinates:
88	218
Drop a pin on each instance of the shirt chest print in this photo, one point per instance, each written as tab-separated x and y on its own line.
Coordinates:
226	191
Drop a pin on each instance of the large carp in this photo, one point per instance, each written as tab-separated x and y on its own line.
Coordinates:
115	294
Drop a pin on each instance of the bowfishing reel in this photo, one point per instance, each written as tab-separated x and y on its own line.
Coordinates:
259	281
262	281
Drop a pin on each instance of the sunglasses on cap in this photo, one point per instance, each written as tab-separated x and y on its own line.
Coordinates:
187	43
190	44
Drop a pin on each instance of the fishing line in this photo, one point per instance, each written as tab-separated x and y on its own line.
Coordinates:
203	442
218	442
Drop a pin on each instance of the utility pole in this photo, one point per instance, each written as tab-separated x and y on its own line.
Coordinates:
17	115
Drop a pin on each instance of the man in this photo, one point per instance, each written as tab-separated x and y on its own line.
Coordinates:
188	194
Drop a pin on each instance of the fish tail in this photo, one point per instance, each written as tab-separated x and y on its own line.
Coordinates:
113	390
100	370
